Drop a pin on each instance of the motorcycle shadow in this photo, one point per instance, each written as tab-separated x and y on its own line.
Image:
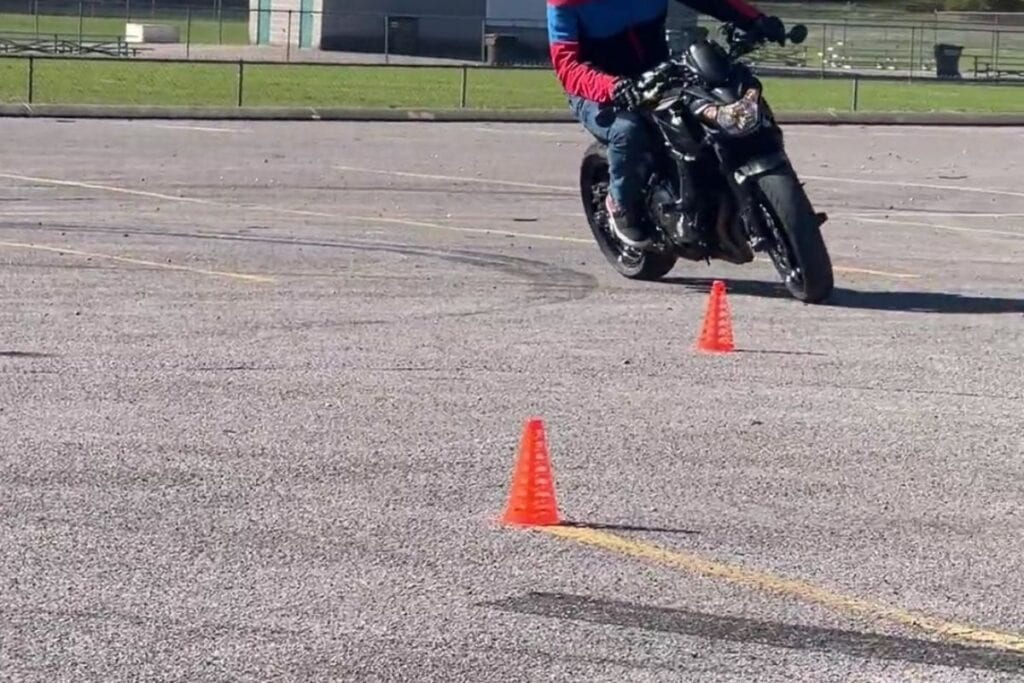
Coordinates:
905	301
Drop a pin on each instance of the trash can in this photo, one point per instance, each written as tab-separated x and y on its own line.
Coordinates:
947	60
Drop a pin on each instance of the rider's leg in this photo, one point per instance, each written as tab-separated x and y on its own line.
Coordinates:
625	138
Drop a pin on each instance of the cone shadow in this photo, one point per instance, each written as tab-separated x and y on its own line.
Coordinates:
628	527
780	353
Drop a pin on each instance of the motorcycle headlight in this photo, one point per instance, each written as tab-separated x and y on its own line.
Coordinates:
739	117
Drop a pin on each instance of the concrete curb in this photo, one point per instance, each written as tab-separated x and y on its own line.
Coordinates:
91	111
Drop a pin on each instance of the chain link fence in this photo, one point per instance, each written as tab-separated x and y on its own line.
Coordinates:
900	46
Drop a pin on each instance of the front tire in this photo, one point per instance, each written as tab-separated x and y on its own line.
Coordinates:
799	255
628	262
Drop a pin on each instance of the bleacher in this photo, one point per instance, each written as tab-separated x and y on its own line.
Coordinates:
1005	67
30	42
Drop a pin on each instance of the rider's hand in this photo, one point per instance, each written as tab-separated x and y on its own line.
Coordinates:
626	94
771	28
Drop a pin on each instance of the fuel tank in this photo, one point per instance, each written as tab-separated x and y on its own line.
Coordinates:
710	62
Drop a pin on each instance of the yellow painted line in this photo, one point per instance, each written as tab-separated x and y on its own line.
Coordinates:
141	262
861	271
293	212
479	231
941	226
879	273
373	219
789	588
527	131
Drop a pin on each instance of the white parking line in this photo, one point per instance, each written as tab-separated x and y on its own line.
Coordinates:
885	213
926	186
181	126
368	219
453	179
203	129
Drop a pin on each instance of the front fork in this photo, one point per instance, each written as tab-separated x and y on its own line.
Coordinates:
740	176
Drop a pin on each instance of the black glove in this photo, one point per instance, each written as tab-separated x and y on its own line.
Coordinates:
771	28
626	95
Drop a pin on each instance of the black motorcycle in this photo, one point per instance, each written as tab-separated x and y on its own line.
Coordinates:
722	162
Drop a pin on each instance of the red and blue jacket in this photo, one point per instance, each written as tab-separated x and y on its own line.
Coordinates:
593	42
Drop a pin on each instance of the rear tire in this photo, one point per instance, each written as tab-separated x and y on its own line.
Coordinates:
628	262
797	229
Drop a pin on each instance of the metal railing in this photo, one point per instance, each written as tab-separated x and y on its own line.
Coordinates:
53	79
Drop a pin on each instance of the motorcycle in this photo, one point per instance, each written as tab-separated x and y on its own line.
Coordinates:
720	159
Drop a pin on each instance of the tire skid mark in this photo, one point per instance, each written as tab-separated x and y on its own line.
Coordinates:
548	284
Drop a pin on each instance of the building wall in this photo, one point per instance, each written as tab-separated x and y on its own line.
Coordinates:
517	13
448	28
526	22
450	8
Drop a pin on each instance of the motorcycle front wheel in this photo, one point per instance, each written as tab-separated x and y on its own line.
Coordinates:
799	253
628	262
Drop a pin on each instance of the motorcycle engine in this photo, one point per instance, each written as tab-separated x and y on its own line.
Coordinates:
661	204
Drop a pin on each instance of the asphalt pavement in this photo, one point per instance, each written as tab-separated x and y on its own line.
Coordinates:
263	386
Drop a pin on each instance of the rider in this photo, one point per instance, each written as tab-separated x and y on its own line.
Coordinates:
598	48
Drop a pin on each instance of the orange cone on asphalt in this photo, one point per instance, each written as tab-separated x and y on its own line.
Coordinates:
532	499
716	335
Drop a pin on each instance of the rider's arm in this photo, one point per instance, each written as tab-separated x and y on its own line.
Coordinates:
576	77
739	12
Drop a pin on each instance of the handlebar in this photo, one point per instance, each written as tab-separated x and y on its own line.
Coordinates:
740	43
744	42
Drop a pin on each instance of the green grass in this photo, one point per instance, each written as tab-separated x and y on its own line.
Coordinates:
98	81
205	28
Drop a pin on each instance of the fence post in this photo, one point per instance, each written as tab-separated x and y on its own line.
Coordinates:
288	39
824	47
81	20
31	76
387	40
913	53
465	86
998	39
188	32
241	76
855	96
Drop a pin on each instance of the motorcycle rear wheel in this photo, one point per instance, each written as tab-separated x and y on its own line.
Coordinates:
628	262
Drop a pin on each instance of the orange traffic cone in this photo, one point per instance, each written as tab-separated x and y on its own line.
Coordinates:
716	335
532	501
